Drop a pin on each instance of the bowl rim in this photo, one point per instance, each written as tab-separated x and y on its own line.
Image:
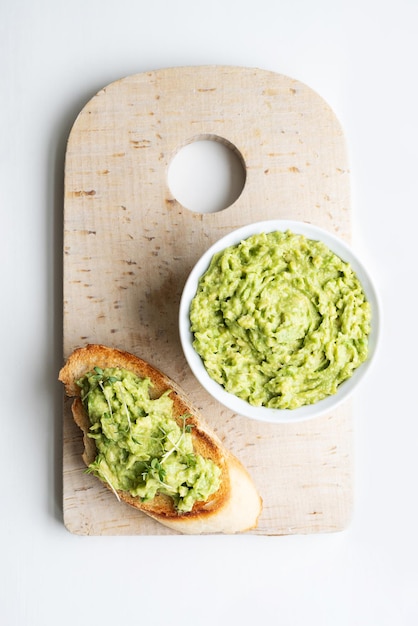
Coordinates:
229	400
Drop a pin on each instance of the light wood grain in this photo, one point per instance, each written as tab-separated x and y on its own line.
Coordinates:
129	246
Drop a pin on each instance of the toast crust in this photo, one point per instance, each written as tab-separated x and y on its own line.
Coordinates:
234	507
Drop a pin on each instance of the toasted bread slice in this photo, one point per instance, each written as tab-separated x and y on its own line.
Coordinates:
234	507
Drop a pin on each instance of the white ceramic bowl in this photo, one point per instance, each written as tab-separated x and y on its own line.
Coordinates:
235	404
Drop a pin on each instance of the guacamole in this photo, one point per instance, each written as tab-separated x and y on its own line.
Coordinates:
141	448
280	321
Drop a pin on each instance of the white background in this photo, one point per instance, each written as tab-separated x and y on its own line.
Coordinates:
361	56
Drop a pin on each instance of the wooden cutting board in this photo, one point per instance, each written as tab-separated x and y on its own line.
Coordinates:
129	246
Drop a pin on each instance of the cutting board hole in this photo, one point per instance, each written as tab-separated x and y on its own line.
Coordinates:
207	175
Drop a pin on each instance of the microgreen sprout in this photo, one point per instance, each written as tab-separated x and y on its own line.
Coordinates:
94	469
186	429
100	383
100	380
112	488
124	404
156	467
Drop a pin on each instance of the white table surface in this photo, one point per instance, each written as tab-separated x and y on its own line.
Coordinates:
362	57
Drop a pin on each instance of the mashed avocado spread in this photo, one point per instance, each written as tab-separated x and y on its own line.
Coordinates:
280	321
141	448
